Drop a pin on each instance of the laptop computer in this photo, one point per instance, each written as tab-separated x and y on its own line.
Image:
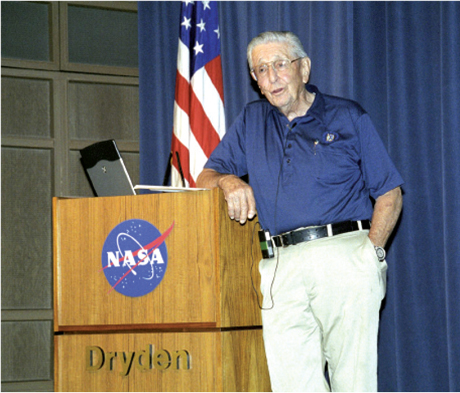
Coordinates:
106	170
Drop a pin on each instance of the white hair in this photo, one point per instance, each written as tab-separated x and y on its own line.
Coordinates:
295	46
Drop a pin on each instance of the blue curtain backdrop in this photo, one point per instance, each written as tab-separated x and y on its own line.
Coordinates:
400	61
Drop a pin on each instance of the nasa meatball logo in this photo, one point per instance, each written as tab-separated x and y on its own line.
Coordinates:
135	258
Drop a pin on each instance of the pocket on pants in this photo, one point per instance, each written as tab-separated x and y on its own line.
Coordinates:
381	267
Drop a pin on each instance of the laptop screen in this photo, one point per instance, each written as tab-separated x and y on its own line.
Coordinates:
106	170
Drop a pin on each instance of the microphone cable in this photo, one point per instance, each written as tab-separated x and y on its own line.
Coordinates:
274	224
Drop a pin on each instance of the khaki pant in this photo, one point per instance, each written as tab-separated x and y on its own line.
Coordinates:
326	299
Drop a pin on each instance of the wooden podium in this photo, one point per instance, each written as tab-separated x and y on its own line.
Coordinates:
198	330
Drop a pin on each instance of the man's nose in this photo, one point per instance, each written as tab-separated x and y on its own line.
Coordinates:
272	74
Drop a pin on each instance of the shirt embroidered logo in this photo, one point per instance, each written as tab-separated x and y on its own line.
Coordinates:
329	137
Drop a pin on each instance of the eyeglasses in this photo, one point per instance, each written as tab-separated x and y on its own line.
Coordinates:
279	66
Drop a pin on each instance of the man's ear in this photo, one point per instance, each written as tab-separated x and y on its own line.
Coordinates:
306	68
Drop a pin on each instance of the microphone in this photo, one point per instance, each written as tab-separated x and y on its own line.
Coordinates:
168	170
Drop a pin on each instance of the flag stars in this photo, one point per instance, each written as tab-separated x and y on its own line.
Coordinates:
206	5
217	32
186	23
198	48
187	2
201	25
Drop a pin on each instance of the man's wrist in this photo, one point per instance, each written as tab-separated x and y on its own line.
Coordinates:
222	178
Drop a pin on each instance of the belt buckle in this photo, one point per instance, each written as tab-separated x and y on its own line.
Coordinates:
315	233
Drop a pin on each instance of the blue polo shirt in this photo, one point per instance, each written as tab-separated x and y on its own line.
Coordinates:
319	168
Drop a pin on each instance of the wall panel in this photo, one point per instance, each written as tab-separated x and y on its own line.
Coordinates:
30	23
26	229
99	111
26	354
26	107
101	36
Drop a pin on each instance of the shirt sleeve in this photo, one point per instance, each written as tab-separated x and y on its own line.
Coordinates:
380	174
230	155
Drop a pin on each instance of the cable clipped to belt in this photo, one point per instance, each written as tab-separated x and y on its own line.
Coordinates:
252	266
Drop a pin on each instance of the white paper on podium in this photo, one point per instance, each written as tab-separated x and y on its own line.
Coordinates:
168	189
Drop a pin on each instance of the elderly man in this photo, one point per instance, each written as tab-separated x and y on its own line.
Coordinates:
314	162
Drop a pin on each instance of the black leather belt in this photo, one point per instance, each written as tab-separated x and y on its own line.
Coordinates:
313	233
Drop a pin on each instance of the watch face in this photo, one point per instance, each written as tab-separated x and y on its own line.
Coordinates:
380	253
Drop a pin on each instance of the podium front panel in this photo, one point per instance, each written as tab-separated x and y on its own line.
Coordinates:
83	295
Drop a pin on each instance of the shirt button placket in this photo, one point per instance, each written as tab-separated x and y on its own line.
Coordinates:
288	145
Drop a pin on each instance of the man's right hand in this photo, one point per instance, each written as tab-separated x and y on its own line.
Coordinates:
238	194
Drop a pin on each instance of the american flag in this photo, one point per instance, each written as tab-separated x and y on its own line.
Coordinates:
199	119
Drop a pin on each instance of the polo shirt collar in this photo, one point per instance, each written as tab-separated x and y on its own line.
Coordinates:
317	110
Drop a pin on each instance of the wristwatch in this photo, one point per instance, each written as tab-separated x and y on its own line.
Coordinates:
381	254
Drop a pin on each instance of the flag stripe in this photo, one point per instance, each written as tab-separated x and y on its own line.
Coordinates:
188	141
182	126
186	137
182	93
201	126
200	123
214	70
210	99
183	60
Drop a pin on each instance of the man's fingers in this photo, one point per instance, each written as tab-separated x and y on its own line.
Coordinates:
234	208
240	198
243	211
251	206
242	208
